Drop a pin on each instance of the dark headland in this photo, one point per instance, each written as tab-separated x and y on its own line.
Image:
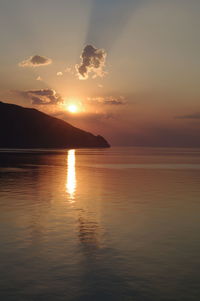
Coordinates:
29	128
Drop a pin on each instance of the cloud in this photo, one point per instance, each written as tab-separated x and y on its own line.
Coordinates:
59	73
190	116
92	60
42	97
110	100
35	61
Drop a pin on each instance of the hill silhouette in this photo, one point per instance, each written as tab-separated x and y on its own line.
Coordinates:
29	128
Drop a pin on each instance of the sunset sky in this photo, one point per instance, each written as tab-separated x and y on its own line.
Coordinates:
126	69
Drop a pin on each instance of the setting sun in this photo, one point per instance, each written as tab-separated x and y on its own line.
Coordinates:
72	108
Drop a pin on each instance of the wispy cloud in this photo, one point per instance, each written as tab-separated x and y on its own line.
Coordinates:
189	116
92	60
35	61
109	100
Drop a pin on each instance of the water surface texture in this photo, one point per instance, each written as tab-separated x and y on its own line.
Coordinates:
101	224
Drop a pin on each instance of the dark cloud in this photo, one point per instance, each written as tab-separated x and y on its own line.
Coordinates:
35	61
110	100
190	116
42	97
92	60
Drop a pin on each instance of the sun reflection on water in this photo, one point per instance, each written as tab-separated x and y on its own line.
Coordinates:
71	174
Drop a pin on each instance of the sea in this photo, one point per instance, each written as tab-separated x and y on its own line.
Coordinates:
121	223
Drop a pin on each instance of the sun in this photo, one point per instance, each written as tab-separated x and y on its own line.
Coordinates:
72	108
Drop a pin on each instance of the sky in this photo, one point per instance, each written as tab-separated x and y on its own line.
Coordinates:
125	69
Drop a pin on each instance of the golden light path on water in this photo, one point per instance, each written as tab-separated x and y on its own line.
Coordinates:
71	174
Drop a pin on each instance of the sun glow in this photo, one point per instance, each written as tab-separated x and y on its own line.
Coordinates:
72	108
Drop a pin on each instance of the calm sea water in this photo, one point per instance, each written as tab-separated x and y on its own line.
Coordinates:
102	224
